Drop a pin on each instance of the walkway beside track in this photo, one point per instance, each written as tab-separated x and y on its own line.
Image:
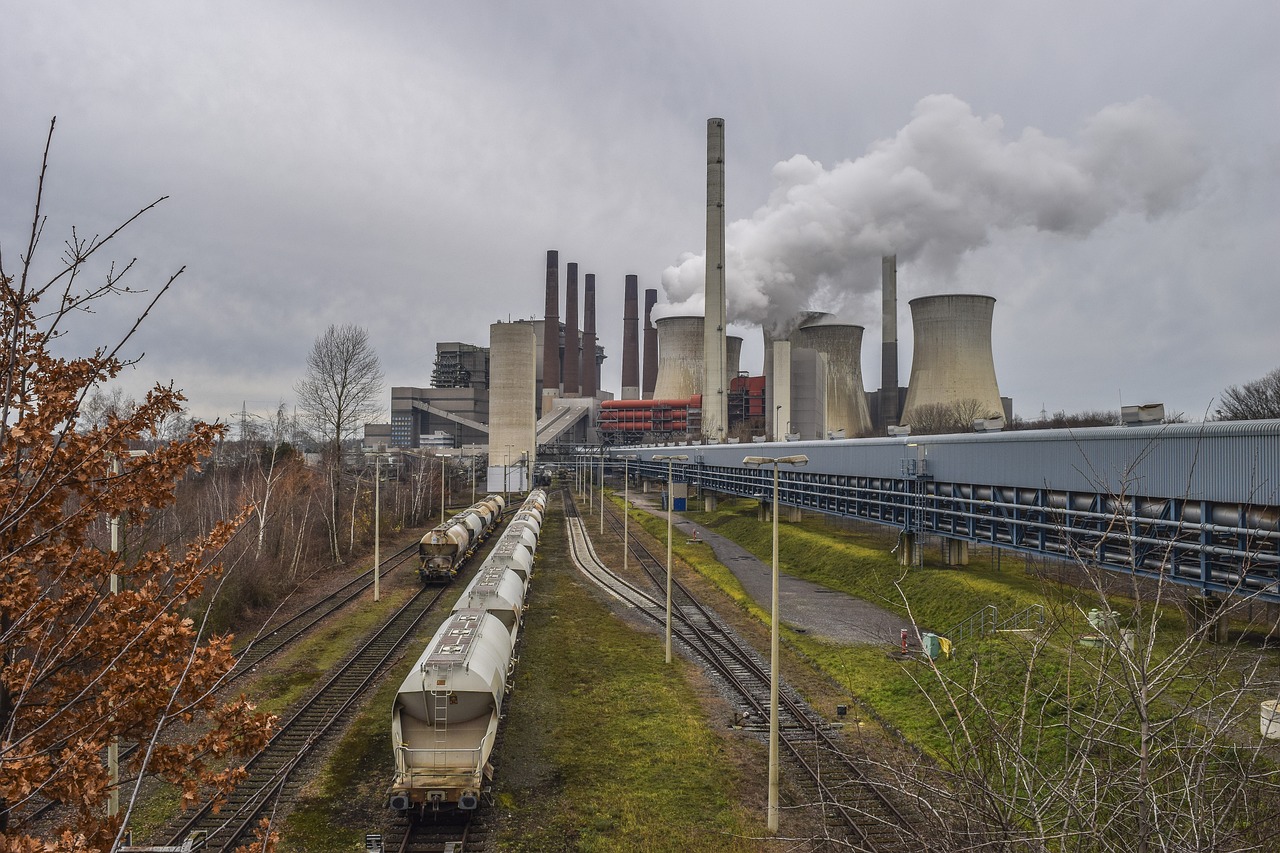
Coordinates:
811	608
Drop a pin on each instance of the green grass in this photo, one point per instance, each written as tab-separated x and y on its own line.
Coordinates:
606	746
302	666
858	562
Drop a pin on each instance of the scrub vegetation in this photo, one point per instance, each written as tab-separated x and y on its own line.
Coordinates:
1145	738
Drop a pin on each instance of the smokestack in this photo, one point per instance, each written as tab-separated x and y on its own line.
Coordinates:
572	382
650	374
551	330
590	372
715	399
889	341
631	340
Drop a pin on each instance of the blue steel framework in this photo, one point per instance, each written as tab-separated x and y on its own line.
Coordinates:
1197	504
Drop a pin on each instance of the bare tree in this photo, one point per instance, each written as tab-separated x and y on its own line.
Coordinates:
1257	400
957	416
340	393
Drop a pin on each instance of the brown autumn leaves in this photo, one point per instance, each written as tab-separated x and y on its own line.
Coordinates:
80	665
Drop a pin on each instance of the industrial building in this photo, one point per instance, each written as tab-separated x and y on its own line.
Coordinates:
690	384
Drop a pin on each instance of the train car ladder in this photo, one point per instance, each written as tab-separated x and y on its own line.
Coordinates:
440	707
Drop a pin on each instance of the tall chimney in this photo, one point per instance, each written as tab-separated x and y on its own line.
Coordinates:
889	341
551	331
649	375
630	341
572	382
715	397
590	370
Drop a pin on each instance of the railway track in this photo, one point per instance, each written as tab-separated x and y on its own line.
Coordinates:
270	772
265	645
452	834
857	813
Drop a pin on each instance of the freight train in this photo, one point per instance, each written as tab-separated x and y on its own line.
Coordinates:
441	551
444	720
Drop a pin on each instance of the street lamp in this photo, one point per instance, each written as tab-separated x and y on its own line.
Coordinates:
775	461
472	457
506	482
377	523
626	505
113	746
669	458
442	481
602	491
777	418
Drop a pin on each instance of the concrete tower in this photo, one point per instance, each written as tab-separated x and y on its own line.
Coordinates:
770	339
572	357
889	340
952	364
649	375
715	400
846	398
551	331
733	356
630	341
590	369
680	366
512	398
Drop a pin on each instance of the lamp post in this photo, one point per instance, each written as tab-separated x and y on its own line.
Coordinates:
442	481
113	746
506	481
626	505
602	491
377	523
669	458
775	461
777	418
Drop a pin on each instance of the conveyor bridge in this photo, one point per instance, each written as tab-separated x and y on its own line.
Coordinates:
1196	504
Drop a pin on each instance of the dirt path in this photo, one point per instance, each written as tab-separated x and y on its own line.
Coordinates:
809	607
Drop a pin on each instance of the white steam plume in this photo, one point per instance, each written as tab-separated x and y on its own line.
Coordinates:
938	189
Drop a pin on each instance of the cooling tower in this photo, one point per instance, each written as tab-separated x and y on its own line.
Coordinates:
572	355
512	391
590	369
649	375
733	355
846	398
952	364
715	401
551	330
630	341
680	352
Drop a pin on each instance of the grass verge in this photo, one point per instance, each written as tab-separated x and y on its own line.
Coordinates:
606	746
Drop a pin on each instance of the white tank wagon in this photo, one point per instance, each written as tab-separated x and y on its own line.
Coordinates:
511	553
442	550
497	590
445	717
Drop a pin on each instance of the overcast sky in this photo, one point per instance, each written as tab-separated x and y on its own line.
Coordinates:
1110	172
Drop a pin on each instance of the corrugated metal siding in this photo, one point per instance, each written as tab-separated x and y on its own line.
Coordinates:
1230	462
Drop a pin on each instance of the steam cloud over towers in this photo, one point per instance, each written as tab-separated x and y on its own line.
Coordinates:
942	186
